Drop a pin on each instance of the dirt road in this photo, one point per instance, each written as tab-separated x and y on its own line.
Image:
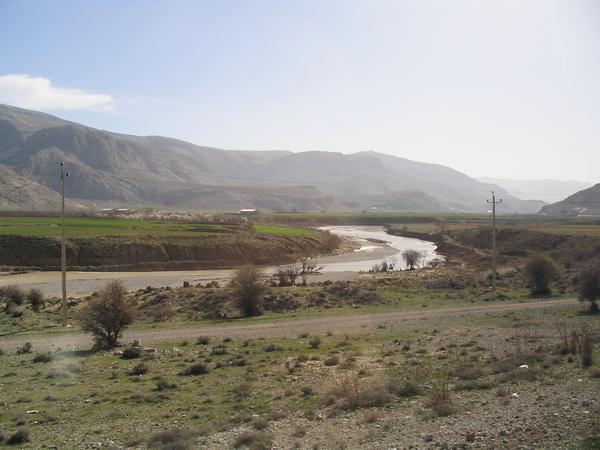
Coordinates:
338	324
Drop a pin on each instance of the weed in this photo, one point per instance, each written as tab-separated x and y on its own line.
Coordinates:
254	440
315	342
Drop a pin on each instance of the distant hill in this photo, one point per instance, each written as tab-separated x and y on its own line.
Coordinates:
582	203
117	169
548	191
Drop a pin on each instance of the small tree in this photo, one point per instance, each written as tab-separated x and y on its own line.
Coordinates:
589	288
36	299
248	290
540	271
411	258
107	316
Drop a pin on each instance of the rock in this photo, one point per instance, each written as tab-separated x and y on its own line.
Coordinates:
460	445
428	437
470	437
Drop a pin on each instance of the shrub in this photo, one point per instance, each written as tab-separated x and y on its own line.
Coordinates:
107	315
405	389
331	361
175	439
43	358
139	369
36	299
259	423
273	348
465	372
203	340
25	348
19	437
242	391
586	346
195	370
163	385
539	271
132	352
589	288
307	391
248	290
12	294
254	440
439	397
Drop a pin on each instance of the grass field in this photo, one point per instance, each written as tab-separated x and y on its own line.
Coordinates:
94	227
291	389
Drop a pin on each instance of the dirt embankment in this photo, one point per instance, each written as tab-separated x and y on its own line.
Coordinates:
573	251
115	253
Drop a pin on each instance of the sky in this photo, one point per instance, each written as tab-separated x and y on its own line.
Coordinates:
507	88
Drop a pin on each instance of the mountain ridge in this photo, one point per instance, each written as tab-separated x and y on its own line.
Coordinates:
116	168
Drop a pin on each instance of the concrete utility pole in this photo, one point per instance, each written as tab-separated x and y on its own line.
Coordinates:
63	248
494	202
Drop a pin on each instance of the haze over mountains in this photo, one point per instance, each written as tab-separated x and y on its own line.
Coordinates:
111	169
549	191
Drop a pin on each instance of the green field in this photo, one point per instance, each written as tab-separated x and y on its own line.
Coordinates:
96	227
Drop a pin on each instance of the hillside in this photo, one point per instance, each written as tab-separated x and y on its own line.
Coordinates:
582	203
116	169
18	192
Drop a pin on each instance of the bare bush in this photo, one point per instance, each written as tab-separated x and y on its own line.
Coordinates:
12	294
248	290
540	271
107	316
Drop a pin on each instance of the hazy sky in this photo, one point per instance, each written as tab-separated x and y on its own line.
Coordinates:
500	88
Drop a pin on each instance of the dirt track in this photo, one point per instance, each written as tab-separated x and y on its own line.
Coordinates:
338	324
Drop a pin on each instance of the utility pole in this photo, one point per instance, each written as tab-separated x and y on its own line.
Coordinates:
494	202
63	248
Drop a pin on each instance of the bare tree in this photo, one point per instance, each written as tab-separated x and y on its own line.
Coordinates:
107	315
293	271
411	257
248	290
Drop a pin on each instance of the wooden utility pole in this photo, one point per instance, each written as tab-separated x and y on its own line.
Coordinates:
63	248
494	202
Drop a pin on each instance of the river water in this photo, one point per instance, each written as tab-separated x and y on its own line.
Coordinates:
375	245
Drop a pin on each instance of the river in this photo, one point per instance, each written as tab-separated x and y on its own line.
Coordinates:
373	245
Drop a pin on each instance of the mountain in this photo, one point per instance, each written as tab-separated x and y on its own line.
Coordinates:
549	191
582	203
122	170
